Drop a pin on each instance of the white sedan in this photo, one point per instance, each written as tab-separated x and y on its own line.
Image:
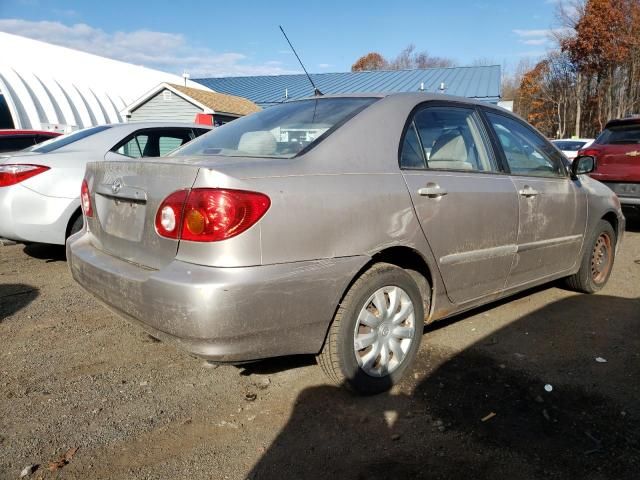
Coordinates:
571	146
40	186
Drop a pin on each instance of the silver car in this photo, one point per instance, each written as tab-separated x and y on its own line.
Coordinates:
338	226
40	186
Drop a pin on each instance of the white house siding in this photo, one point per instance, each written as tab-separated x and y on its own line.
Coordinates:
165	107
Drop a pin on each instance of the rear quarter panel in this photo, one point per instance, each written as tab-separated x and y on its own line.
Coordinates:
345	197
64	178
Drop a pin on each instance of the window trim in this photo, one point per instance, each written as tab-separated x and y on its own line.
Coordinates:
487	138
486	110
404	135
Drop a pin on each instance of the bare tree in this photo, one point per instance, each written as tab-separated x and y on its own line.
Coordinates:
407	59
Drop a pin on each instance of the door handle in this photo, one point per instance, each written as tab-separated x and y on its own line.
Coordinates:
432	190
528	192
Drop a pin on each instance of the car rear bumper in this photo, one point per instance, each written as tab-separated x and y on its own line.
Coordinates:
28	216
629	201
221	314
627	192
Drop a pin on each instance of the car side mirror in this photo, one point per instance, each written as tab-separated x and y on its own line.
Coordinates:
582	165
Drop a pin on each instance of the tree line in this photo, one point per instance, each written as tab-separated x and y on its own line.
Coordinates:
593	74
407	59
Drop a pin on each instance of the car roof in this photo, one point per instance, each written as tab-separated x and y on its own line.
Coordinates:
11	131
110	134
421	96
572	140
417	97
157	124
619	122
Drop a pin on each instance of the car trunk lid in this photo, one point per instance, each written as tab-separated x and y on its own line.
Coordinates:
126	196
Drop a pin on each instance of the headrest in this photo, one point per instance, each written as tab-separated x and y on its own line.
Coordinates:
258	143
449	146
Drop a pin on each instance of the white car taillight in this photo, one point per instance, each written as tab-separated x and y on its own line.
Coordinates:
12	174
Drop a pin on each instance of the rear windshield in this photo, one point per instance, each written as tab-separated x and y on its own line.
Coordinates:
13	143
569	145
64	140
281	131
624	134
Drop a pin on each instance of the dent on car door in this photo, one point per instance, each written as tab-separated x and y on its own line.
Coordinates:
552	208
467	209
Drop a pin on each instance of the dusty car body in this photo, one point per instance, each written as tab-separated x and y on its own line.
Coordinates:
394	193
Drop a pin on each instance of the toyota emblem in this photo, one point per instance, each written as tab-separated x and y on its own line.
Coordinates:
116	186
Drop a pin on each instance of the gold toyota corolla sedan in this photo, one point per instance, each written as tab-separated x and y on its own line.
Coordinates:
339	226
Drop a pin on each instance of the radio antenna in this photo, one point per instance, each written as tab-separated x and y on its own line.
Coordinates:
316	90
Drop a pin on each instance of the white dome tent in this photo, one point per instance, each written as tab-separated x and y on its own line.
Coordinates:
48	87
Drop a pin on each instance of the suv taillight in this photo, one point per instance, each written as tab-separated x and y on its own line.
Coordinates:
12	174
209	214
85	200
589	152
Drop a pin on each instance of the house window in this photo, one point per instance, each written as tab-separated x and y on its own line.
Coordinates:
166	95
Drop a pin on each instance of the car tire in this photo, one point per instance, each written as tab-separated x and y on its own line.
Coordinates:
75	225
597	260
395	329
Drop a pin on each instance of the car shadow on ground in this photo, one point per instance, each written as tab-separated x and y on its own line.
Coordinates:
273	365
14	297
485	412
43	251
633	221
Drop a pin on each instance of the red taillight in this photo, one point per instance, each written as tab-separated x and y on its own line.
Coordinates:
85	200
209	214
589	152
12	174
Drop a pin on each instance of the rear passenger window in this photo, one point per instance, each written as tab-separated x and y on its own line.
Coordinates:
412	156
168	144
154	142
134	146
449	138
200	131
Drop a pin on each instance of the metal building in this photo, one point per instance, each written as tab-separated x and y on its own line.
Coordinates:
48	87
480	83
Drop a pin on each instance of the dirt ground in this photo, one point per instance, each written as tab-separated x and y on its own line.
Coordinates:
73	375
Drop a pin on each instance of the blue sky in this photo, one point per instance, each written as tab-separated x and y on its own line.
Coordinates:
213	38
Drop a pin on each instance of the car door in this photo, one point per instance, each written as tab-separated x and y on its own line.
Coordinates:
552	208
467	207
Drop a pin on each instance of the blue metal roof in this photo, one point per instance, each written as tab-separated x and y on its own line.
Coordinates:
480	83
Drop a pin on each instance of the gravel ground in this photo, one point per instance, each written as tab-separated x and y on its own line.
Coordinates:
74	375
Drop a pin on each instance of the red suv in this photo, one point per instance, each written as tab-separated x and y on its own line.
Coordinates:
617	154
